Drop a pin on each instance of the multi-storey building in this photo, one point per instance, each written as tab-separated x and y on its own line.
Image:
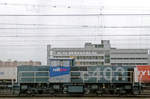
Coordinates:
10	63
129	57
100	54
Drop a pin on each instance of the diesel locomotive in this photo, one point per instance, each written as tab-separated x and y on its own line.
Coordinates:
61	77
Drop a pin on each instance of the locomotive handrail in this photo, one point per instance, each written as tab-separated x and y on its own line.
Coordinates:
113	74
34	71
34	76
102	71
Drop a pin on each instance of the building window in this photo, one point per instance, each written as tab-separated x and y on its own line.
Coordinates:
107	58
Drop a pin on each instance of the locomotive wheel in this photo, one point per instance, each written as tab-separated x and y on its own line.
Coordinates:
136	92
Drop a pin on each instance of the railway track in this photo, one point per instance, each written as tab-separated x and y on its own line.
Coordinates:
145	93
117	96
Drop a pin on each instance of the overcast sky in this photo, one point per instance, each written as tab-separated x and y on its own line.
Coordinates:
25	38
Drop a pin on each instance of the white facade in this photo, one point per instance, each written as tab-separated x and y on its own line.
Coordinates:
129	57
89	55
101	54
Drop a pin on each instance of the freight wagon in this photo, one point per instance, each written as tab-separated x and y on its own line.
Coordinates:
8	76
63	78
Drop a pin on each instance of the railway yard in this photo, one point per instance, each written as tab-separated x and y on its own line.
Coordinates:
70	49
62	78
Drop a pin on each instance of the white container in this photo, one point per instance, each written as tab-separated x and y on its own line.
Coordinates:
8	73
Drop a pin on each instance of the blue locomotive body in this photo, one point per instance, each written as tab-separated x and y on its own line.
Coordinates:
102	74
61	77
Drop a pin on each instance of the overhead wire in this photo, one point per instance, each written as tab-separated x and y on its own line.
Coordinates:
113	14
61	43
58	25
67	35
66	6
65	26
41	40
89	14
